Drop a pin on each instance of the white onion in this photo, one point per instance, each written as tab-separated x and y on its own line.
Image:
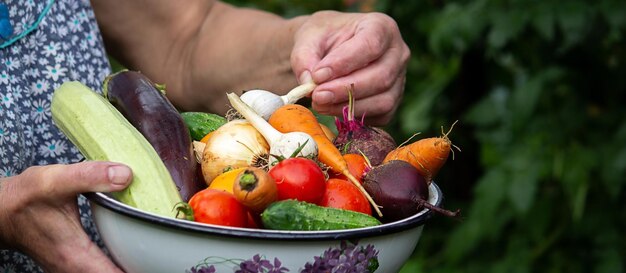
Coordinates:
235	144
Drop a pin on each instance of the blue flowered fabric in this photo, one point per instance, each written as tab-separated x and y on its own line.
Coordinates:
65	46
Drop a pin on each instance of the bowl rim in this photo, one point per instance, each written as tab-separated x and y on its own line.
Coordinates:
109	203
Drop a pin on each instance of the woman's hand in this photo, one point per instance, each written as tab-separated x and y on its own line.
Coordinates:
365	49
39	214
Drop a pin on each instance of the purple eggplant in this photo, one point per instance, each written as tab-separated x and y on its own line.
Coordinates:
147	108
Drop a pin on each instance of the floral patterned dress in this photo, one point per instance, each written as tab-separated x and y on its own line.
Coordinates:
64	44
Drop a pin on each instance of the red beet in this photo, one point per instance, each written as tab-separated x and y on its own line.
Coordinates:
355	137
398	187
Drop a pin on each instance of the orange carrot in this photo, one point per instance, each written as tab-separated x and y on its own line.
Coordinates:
255	189
328	132
427	155
297	118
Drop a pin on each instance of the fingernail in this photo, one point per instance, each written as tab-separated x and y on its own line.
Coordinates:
305	77
323	97
119	175
322	75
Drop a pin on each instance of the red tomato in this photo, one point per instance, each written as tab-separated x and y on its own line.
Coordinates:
218	207
254	220
342	194
299	178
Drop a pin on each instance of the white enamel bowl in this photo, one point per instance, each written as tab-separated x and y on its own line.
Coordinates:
140	242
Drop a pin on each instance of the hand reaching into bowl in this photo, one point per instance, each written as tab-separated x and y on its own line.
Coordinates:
338	49
39	214
221	48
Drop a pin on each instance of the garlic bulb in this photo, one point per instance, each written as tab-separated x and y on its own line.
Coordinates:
265	102
281	145
235	144
288	144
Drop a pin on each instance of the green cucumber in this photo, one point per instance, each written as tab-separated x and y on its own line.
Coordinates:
100	132
201	123
298	215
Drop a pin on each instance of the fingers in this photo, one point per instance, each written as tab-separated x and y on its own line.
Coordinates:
368	43
39	214
378	89
366	50
333	45
379	77
69	180
378	109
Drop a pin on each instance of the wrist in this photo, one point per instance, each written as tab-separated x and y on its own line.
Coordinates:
84	256
5	227
287	36
240	49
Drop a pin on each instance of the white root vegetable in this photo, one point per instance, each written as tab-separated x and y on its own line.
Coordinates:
281	144
265	102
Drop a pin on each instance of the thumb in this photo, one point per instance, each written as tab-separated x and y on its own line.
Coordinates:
89	176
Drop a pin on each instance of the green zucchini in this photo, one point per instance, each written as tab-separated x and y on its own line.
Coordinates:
298	215
201	123
100	132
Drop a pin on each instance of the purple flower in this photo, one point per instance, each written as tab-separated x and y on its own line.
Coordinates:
259	265
345	259
201	269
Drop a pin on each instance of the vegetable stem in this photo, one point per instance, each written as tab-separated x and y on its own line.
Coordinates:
360	187
270	134
298	92
425	204
248	180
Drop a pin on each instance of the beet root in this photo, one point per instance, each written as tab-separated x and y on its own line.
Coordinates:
355	137
400	190
373	142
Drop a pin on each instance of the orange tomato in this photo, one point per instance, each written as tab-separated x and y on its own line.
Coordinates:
226	180
206	137
357	165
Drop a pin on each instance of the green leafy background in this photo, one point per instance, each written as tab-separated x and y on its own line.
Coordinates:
538	89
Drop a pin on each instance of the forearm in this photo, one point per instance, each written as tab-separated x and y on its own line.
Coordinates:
201	49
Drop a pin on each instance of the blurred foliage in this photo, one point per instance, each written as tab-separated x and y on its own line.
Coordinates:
537	88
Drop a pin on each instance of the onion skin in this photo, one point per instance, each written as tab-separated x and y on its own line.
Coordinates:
235	144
